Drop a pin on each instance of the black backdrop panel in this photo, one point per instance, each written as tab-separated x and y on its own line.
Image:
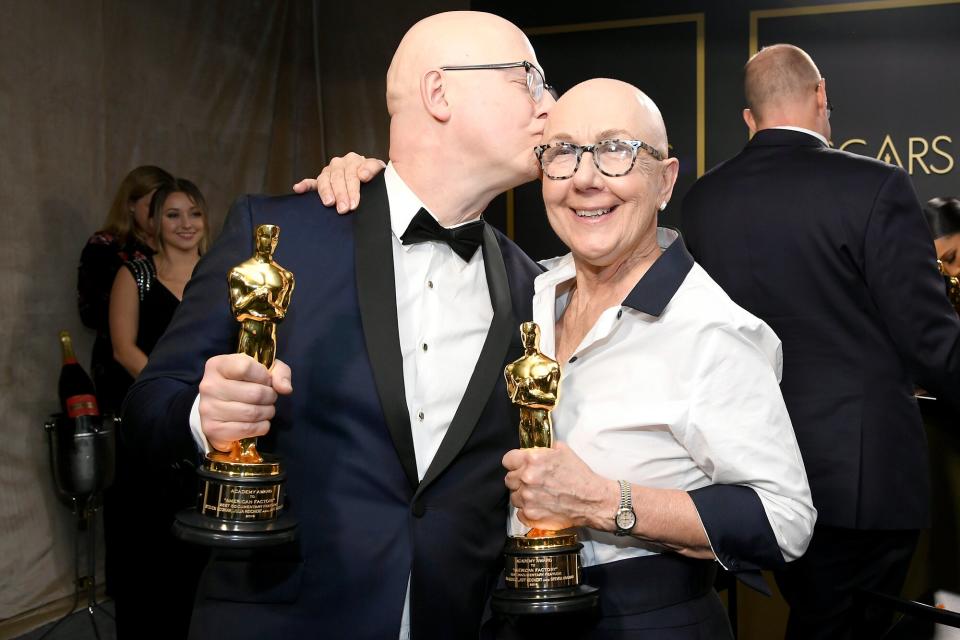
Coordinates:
662	56
893	76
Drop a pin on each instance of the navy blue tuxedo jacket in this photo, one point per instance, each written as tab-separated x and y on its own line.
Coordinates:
831	250
366	523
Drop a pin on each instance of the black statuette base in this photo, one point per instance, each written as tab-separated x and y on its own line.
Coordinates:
519	602
194	527
239	505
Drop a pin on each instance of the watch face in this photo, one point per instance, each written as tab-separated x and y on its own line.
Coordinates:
626	519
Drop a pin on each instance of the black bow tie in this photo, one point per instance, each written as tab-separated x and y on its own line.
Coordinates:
464	239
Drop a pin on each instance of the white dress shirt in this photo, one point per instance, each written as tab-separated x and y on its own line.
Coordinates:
679	394
443	315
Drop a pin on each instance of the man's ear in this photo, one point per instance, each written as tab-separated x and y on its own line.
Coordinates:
822	97
433	93
750	120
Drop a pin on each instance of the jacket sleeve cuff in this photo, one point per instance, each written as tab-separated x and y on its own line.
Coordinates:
737	527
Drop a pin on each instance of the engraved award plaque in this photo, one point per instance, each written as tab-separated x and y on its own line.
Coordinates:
241	495
542	567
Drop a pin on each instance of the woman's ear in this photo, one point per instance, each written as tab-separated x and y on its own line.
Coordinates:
668	178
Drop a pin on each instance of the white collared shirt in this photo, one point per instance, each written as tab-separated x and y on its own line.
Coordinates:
678	400
443	313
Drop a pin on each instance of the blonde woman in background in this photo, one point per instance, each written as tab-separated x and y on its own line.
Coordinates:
146	293
146	495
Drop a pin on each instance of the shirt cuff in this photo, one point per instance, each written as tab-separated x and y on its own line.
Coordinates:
738	530
196	429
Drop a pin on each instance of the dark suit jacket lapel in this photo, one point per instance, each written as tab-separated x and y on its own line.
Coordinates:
489	365
376	290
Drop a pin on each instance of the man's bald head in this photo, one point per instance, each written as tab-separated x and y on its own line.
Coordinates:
783	87
459	137
451	38
779	76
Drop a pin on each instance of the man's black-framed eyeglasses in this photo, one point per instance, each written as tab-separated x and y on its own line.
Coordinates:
535	83
829	104
613	158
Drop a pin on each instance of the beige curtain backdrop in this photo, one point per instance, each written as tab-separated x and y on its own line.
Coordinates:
238	96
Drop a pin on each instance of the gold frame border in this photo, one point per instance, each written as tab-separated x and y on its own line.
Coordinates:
844	7
701	54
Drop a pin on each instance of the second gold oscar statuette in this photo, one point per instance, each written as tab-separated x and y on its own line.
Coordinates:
542	571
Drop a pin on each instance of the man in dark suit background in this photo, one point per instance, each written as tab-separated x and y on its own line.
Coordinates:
393	433
831	250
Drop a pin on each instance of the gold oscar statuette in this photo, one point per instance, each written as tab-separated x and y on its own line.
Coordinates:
241	496
542	572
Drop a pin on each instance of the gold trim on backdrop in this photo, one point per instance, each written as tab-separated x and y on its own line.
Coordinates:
845	7
614	24
701	56
701	95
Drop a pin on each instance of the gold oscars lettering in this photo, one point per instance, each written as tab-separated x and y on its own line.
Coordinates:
241	497
923	154
542	573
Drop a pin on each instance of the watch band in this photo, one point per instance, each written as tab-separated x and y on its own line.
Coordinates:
626	497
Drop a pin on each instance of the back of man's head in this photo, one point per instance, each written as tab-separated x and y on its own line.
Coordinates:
780	85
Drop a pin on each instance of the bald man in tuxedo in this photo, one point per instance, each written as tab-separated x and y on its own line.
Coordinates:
387	402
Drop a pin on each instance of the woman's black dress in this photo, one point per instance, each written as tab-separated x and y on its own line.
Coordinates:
102	257
156	575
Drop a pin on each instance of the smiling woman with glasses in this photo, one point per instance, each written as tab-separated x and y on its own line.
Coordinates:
535	83
654	358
